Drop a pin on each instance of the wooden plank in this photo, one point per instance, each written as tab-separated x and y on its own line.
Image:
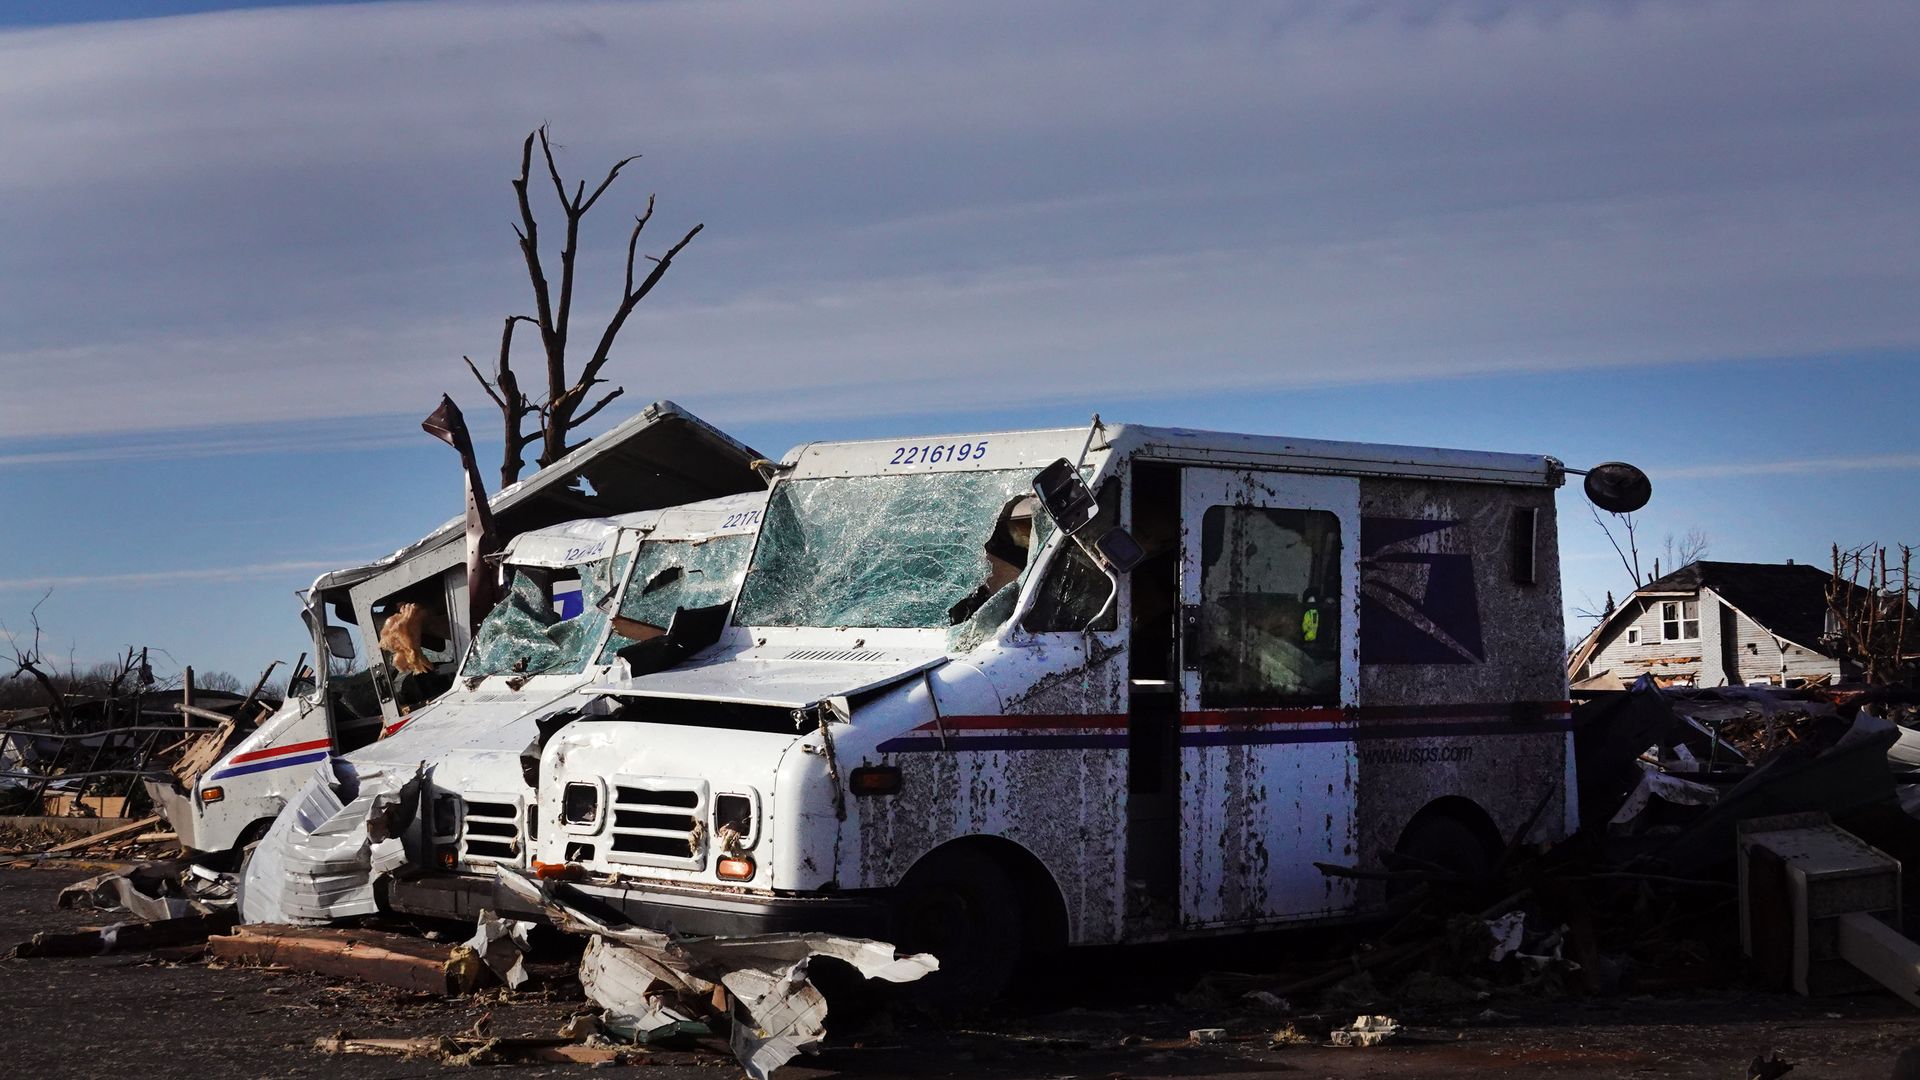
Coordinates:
388	959
129	936
545	1051
128	829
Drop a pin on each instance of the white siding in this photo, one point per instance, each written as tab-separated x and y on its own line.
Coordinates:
1662	659
1760	655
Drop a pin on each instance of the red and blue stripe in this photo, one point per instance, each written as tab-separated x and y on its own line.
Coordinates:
1237	727
275	757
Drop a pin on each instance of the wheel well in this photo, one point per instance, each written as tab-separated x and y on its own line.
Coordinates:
1466	812
1040	895
255	830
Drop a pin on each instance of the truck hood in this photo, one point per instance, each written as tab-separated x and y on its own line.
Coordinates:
791	679
487	720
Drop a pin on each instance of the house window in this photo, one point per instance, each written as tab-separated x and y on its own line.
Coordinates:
1633	635
1680	620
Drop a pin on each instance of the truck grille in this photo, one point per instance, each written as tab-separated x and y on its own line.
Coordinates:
659	822
490	832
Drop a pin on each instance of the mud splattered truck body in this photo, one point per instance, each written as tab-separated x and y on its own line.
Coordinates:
929	721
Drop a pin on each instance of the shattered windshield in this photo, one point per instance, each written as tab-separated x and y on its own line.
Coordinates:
549	622
669	575
880	551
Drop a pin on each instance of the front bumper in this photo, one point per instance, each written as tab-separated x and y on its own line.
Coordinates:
177	807
699	912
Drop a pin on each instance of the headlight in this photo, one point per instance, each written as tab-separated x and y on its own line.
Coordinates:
580	804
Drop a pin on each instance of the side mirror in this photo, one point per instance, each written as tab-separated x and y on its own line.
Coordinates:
1072	505
340	643
1067	498
1617	487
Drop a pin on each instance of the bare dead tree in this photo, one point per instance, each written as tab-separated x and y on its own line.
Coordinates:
564	406
1871	602
31	661
1687	550
1630	554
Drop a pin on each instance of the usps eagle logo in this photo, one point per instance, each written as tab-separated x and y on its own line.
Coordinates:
1417	599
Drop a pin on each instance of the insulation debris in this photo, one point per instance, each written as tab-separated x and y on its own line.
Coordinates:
650	982
320	859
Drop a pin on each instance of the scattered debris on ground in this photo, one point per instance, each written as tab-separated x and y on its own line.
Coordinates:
1687	881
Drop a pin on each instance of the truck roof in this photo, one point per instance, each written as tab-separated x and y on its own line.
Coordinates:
1037	448
575	542
662	456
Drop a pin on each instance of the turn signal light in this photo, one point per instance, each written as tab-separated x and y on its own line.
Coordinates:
874	780
448	856
211	795
735	868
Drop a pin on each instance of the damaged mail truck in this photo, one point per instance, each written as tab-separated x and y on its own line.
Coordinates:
980	695
664	456
578	595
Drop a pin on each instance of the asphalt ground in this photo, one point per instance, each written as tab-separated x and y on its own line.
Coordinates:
1112	1014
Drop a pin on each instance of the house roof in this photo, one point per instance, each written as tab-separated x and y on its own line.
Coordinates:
1789	599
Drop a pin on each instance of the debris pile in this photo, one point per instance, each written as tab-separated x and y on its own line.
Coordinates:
652	985
93	757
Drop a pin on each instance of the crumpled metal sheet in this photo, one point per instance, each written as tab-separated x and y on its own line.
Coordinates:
319	860
1657	784
501	944
649	982
167	890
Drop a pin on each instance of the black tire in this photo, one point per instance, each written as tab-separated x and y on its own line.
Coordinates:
1446	842
242	851
963	907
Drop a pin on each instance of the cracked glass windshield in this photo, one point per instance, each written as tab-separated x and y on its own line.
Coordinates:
549	622
883	551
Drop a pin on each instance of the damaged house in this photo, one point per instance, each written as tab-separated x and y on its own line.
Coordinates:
1717	624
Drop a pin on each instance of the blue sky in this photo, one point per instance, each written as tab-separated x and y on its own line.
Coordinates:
244	250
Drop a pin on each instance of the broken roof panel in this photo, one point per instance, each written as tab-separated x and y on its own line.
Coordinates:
664	456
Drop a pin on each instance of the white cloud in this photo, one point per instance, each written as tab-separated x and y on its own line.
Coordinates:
182	576
302	213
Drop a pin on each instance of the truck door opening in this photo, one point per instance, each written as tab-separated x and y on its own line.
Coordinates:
1153	702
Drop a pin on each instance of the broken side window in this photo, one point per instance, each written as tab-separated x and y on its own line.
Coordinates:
350	692
670	575
549	622
876	551
1269	627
